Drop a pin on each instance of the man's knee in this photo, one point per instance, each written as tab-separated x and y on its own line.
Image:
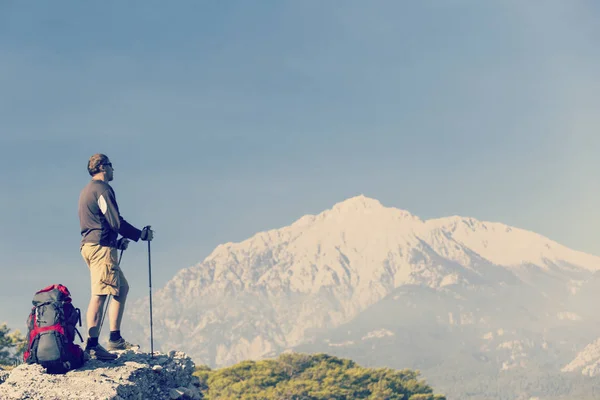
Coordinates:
123	291
123	288
96	303
98	299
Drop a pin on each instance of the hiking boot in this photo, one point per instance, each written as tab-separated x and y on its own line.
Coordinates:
122	344
100	353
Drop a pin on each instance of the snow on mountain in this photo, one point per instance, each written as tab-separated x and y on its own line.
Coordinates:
275	289
363	231
508	246
349	241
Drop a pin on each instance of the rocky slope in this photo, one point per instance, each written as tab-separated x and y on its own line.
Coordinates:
134	375
587	361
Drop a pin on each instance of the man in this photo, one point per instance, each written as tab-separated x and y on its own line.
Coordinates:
101	223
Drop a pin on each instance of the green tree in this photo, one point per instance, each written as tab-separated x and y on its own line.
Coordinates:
12	345
312	377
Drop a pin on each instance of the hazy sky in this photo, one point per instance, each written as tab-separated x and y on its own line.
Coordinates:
226	118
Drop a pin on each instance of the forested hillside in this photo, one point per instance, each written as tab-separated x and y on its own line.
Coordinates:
312	377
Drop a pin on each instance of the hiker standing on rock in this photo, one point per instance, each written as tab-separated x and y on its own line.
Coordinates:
101	223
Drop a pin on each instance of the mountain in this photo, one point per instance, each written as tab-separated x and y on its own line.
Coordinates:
381	286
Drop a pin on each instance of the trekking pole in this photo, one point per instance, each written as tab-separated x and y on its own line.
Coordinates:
108	302
150	291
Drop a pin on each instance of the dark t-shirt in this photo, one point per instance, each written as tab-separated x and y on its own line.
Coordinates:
99	216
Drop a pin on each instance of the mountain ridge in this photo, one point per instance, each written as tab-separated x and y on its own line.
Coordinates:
458	227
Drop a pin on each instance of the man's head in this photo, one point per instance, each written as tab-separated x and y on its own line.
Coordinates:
100	164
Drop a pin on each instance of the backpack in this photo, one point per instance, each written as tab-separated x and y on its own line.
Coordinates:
51	329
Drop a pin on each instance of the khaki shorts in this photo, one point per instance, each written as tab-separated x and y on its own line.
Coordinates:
106	276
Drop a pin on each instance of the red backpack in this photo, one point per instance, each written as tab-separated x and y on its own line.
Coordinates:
51	331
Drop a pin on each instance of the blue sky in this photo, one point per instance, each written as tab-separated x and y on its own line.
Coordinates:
224	119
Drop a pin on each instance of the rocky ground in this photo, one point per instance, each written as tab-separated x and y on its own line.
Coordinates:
134	375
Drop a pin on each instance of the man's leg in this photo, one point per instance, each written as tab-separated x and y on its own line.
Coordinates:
100	261
94	315
117	306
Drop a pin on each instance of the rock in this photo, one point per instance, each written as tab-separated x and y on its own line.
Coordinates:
192	392
3	375
133	375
